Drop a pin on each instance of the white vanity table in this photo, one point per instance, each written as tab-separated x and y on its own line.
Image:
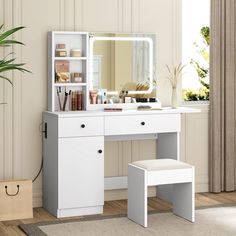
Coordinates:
73	143
74	181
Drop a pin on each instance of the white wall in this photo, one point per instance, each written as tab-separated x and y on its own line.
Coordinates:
20	118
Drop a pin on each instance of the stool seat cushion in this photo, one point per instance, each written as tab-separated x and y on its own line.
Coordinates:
161	164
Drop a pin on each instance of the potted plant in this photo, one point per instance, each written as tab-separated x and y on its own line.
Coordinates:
7	63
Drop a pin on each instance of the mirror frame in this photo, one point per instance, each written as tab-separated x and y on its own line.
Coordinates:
93	39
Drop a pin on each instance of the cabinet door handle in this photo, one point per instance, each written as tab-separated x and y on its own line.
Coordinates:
100	151
83	126
142	123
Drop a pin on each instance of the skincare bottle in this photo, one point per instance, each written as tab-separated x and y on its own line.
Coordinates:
127	99
75	52
104	98
93	96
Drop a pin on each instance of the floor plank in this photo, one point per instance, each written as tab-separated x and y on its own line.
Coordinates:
10	228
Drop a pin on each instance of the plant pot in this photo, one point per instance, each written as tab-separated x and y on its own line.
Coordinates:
174	98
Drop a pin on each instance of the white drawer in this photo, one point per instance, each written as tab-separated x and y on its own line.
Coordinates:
80	126
142	124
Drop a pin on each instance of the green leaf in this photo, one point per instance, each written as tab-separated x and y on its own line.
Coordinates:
11	64
9	42
7	79
10	32
13	67
5	45
3	63
205	32
11	53
7	63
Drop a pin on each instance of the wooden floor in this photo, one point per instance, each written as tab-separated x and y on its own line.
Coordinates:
10	228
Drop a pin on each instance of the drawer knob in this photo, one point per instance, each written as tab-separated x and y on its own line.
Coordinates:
142	123
99	151
83	126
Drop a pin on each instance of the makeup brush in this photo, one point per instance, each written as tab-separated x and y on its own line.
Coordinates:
58	96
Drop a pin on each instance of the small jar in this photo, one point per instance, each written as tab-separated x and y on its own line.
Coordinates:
75	52
60	46
60	50
127	99
76	77
61	53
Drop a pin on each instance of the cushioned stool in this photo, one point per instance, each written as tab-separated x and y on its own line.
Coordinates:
142	174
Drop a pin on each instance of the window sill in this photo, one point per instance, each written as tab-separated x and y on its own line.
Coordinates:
203	105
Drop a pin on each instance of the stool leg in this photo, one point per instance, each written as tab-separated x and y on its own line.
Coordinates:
184	200
137	195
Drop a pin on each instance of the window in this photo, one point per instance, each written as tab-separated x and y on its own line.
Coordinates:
195	49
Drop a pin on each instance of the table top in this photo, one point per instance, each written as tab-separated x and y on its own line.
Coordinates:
164	110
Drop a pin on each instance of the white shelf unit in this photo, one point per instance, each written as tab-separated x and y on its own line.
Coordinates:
69	84
72	40
70	58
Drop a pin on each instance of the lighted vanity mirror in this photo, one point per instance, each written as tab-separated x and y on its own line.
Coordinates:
122	65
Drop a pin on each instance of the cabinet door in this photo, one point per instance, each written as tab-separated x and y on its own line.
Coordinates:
81	172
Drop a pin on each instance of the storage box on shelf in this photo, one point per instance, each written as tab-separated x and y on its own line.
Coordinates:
67	70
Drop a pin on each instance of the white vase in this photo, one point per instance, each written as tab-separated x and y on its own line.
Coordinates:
174	98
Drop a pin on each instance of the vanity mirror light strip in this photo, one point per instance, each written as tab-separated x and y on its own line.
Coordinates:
92	40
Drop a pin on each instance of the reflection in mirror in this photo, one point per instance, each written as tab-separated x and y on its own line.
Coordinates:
123	63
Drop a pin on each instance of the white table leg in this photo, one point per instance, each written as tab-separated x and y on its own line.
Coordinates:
137	195
168	146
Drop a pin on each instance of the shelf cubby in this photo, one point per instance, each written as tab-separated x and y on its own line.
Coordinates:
72	40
